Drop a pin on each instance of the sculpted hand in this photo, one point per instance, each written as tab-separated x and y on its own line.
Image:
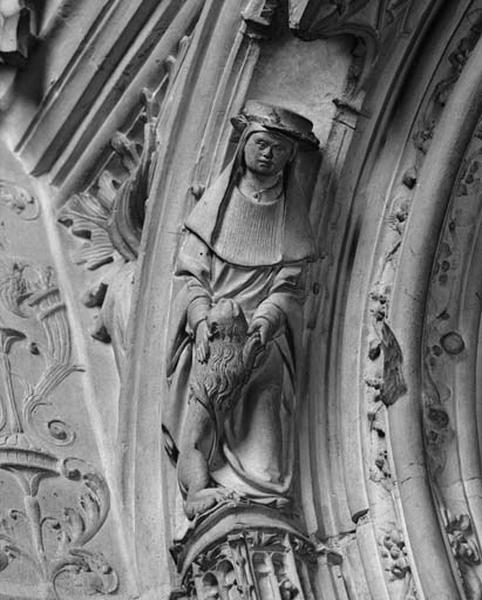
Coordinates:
262	328
202	341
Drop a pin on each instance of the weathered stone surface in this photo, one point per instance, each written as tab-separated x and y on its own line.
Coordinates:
116	126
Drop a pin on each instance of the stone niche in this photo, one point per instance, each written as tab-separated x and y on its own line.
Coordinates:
240	299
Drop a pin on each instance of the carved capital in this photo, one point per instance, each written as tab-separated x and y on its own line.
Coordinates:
247	551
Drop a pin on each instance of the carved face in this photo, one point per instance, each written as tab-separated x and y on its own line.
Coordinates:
267	153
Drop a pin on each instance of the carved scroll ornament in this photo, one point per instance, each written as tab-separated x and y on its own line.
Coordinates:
52	542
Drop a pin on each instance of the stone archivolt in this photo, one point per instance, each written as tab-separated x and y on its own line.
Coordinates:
383	499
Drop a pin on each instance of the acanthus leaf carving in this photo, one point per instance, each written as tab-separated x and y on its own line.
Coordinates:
30	292
394	385
25	534
111	221
109	214
50	541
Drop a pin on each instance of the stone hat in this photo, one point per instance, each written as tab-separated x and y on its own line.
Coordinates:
278	119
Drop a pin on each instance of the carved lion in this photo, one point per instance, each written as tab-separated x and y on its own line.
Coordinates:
217	382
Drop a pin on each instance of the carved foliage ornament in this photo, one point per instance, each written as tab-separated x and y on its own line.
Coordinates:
111	223
109	215
111	220
49	541
31	293
54	545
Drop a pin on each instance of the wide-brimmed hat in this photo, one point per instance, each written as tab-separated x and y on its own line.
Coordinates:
278	119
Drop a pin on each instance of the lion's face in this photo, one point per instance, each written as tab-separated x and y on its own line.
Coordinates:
226	319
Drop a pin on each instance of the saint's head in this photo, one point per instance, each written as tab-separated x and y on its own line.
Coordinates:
266	153
259	190
270	138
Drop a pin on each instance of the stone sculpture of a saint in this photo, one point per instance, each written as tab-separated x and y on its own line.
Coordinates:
230	417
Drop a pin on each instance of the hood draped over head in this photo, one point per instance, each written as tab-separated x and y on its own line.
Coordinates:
287	226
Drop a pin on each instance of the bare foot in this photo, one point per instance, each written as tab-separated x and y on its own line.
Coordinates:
198	502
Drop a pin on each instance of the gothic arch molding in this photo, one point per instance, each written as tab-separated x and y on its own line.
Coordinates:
410	313
404	193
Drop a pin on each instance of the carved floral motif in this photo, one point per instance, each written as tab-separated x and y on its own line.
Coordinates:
393	550
459	530
30	293
465	549
26	533
111	220
394	553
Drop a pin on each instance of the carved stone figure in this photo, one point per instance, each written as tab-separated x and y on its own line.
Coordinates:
237	317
